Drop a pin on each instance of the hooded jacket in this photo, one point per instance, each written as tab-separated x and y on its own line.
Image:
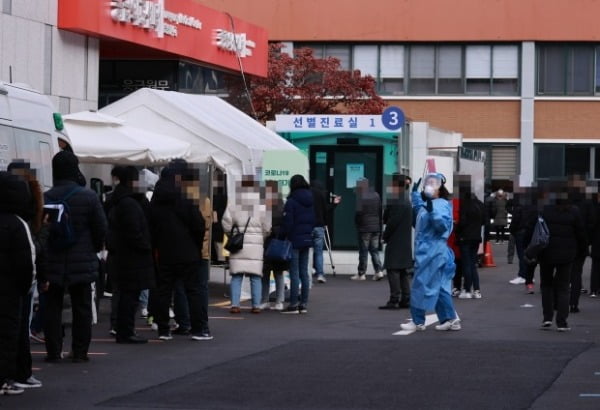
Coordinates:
16	259
79	263
299	218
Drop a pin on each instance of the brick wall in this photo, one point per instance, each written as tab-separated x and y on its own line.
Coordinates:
567	119
475	119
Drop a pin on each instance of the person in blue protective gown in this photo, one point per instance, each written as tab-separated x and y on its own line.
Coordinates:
434	260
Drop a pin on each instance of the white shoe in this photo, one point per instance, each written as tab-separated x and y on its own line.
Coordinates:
477	294
465	295
412	326
263	306
455	292
278	307
321	279
453	324
144	313
517	281
30	383
378	275
171	313
154	326
358	277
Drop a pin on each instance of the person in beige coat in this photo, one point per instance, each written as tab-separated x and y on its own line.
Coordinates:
248	208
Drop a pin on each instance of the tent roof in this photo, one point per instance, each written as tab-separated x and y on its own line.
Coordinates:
101	138
217	130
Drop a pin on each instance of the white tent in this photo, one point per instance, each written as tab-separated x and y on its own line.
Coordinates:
100	138
217	131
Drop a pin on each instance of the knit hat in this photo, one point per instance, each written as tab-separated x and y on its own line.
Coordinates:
65	165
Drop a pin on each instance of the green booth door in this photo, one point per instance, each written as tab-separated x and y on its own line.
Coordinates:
338	167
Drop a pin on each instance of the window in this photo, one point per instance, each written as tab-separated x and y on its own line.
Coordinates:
464	69
577	160
478	69
365	60
449	68
341	52
550	161
561	160
422	70
391	80
505	70
435	69
566	69
580	70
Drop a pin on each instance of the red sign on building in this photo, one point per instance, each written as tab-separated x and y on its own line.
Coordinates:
181	27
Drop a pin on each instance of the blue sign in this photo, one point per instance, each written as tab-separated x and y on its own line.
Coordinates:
393	118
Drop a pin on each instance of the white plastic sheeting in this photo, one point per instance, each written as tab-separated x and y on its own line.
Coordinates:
100	138
217	131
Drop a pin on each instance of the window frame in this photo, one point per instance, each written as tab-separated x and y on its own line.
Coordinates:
405	88
567	55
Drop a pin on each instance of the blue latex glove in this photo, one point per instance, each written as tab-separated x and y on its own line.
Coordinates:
428	205
416	185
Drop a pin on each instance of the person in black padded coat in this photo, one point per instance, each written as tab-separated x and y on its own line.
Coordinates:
567	241
129	252
17	258
75	268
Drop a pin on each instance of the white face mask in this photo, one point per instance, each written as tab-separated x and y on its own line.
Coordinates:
429	191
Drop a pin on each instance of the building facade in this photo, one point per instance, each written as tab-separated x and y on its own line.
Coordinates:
85	54
519	79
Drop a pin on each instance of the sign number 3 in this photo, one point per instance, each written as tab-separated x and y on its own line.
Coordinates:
393	118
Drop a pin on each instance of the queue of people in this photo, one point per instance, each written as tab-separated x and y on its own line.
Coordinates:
50	257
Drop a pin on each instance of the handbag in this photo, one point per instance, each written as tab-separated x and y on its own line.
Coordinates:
235	240
279	250
539	242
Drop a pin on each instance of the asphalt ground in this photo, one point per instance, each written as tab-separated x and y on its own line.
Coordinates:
343	354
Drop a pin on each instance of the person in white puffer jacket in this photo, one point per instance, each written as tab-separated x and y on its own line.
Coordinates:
248	209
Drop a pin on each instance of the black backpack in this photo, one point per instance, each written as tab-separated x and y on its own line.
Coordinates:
62	233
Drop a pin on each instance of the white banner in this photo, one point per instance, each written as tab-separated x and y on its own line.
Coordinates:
329	123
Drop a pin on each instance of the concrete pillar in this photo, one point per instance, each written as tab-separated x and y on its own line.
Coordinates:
527	157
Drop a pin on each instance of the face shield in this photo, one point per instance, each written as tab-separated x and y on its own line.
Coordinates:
432	184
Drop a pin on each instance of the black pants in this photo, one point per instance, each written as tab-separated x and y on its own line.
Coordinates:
114	306
500	229
555	291
10	317
458	274
23	370
81	305
399	285
127	308
576	273
195	283
595	276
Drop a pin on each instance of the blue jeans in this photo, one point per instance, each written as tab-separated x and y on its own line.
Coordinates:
444	308
144	299
368	242
279	286
299	274
468	257
236	289
318	239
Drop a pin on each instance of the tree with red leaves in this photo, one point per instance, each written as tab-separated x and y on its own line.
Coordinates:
304	84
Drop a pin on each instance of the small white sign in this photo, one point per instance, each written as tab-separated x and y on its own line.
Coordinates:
354	172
